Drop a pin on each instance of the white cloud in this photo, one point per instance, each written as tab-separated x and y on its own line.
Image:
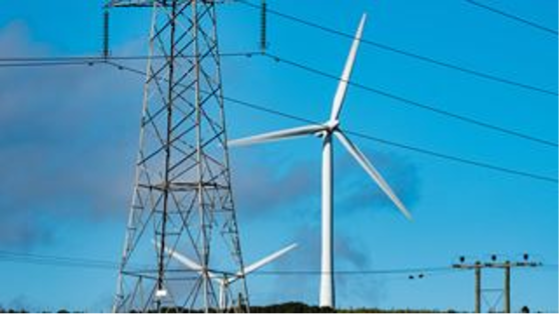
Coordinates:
67	141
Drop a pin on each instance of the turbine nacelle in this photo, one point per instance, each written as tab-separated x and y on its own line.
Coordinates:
328	127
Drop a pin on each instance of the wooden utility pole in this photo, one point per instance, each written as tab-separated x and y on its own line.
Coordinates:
478	266
507	295
477	286
477	281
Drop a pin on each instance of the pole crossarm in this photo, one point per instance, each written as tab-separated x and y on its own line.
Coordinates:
497	265
478	266
152	3
141	3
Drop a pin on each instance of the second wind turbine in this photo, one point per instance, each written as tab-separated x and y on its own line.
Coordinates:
326	131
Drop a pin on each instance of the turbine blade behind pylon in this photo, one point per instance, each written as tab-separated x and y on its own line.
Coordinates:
187	262
255	266
180	257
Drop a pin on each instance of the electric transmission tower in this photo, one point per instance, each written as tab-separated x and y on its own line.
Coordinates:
182	199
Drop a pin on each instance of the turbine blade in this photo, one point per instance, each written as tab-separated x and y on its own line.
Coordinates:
189	263
278	135
255	266
374	174
343	83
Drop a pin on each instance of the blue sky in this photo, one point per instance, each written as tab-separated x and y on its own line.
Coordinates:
68	137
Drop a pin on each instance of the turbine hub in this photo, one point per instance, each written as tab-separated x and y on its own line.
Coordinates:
332	125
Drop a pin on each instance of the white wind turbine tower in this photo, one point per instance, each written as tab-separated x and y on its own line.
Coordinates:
222	278
326	131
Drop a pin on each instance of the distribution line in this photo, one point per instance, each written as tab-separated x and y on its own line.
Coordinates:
65	261
403	52
371	138
513	17
20	257
414	103
362	272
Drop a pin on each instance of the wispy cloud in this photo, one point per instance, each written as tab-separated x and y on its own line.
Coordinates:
267	184
66	143
349	255
358	191
68	138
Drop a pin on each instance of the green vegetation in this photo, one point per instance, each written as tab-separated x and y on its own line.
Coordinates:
297	307
288	307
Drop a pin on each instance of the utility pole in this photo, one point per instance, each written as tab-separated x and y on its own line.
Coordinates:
507	265
507	291
477	267
182	199
477	287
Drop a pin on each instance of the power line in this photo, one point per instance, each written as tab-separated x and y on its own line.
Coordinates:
361	272
513	17
459	159
414	103
56	260
354	133
76	60
20	257
65	261
79	60
416	149
37	64
403	52
91	60
375	139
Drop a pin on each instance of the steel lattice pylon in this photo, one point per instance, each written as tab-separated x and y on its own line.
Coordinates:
182	198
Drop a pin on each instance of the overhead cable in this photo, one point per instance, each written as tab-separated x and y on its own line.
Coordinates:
404	52
64	261
55	60
513	17
416	149
420	150
414	103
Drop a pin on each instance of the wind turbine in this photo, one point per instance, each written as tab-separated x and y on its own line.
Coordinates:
224	279
326	131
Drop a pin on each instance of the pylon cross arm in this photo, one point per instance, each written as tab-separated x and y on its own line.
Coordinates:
148	3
